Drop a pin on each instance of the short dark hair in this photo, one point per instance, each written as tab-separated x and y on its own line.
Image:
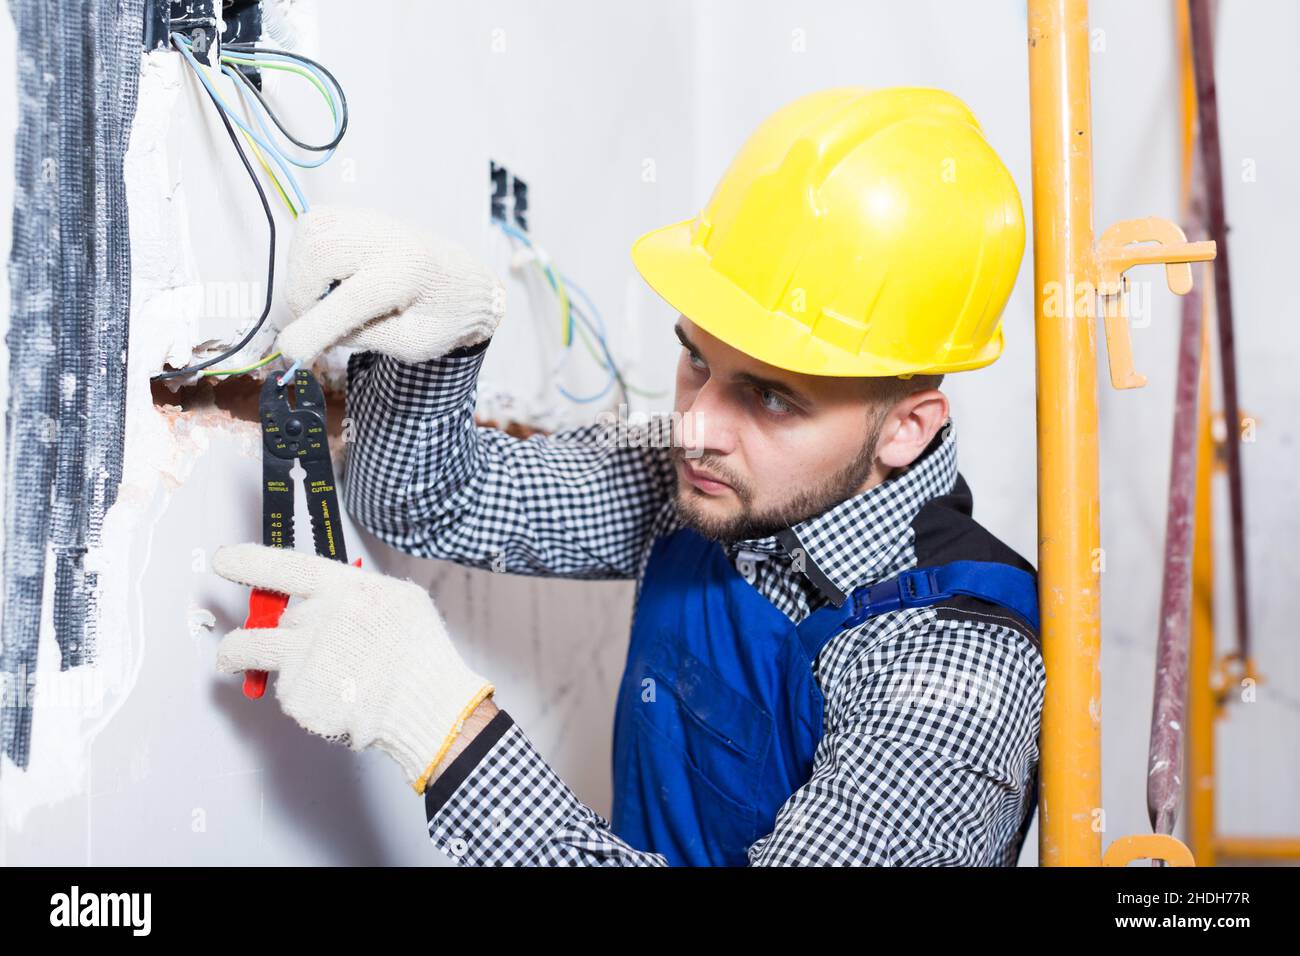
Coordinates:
886	390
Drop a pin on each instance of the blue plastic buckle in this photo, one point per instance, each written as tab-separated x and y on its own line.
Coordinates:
915	588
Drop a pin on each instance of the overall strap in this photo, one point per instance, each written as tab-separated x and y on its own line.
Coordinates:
992	581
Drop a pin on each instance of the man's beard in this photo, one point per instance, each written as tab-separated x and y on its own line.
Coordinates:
805	504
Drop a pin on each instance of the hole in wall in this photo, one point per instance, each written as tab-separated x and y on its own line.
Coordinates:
238	396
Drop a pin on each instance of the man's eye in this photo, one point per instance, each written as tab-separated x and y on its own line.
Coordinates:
773	402
696	360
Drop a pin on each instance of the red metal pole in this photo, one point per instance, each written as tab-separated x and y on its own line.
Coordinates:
1165	757
1211	165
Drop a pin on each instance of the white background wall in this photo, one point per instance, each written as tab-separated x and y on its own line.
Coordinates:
580	99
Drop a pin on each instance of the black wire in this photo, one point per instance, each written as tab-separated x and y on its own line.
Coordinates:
270	267
276	119
343	100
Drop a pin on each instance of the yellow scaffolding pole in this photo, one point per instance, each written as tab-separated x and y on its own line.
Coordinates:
1072	275
1069	828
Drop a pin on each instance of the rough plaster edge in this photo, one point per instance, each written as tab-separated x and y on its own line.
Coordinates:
161	449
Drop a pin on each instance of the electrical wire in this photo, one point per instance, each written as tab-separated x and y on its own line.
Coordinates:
233	55
582	328
240	371
270	223
614	376
282	64
243	84
242	65
602	336
543	260
266	167
271	175
248	48
288	373
183	46
587	329
236	57
248	84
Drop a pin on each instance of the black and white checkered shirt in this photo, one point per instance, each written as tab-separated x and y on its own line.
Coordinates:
930	749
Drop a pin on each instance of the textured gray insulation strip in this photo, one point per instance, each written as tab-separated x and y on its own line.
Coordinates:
69	270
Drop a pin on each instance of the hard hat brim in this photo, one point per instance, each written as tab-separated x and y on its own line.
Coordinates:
681	273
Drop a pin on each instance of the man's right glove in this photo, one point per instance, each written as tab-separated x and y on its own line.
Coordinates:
391	289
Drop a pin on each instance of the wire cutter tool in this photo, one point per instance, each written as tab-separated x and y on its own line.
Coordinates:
293	433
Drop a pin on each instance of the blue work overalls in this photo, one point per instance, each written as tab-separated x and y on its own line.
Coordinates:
719	715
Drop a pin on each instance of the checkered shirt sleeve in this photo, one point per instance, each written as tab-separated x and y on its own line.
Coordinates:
422	476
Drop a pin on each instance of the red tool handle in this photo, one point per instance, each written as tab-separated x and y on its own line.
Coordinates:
264	610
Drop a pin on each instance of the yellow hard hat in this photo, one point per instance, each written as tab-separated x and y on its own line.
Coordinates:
857	232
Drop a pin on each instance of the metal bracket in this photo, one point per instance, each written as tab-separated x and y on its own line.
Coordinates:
238	21
197	19
1148	846
1226	675
1127	244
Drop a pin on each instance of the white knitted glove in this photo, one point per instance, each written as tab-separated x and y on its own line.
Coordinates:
391	288
363	659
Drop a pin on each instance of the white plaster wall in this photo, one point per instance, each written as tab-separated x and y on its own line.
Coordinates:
580	98
183	769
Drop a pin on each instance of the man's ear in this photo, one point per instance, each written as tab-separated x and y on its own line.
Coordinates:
910	426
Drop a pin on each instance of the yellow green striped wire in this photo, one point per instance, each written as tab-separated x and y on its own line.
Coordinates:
271	172
286	67
240	371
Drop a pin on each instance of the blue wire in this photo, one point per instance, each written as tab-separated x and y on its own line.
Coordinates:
523	237
609	383
587	400
601	335
333	91
264	55
288	374
598	332
570	284
609	364
183	47
546	269
510	230
257	112
256	109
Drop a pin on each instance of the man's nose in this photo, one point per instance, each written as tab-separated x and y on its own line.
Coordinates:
708	424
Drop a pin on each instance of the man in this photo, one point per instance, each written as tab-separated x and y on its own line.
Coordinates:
830	661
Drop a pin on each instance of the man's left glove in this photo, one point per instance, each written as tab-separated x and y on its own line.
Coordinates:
362	658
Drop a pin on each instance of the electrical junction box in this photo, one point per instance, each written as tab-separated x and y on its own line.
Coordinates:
240	21
507	191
